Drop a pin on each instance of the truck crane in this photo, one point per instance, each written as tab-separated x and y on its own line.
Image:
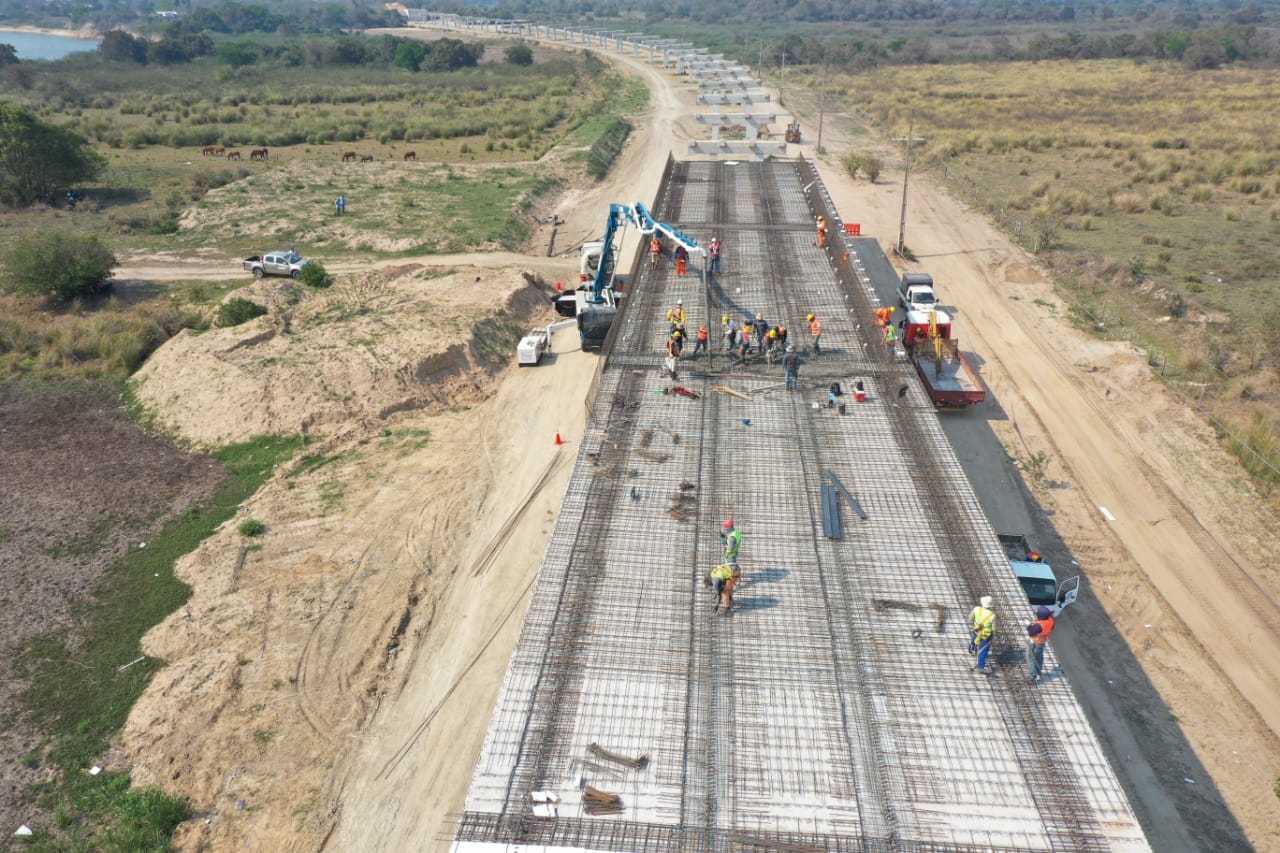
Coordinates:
595	302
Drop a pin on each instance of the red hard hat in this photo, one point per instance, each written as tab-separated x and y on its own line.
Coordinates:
728	523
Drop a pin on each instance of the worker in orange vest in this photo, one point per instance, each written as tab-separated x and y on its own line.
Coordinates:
655	250
702	339
882	316
1037	632
815	331
682	260
822	232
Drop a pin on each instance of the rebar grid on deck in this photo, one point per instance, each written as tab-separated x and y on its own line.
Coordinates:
835	709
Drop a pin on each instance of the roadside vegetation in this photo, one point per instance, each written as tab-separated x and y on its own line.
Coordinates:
1151	191
458	134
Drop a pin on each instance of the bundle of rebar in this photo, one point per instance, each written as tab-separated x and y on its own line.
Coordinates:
597	802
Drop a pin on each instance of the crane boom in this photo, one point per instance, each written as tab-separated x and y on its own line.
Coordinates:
620	216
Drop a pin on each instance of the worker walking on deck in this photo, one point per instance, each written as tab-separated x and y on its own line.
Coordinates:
732	537
982	622
791	365
682	260
730	333
675	345
655	250
713	255
815	331
675	316
822	232
1037	632
760	328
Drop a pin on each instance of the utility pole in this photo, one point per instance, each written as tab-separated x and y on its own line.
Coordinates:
784	74
822	99
906	174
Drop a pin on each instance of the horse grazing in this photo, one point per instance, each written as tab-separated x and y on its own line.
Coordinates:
233	155
411	155
348	155
368	158
258	154
207	150
218	150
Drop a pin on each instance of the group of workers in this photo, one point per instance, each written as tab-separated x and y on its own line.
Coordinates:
739	338
982	622
680	255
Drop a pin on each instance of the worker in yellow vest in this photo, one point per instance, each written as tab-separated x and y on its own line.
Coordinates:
1037	632
982	623
724	578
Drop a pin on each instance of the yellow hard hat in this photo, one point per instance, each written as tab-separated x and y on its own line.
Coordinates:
891	310
809	317
676	333
724	319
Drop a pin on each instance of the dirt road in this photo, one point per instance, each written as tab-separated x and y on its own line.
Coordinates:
358	656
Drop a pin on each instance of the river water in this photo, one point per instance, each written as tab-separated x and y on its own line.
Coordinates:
42	46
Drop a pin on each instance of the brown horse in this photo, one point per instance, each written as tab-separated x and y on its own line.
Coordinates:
258	154
348	155
411	155
368	158
218	150
233	155
207	150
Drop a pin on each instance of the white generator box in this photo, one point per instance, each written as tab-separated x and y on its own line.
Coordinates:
531	347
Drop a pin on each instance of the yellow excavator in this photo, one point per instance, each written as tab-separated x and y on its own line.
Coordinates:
793	132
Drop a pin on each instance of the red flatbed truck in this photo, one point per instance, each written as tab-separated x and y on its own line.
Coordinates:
948	379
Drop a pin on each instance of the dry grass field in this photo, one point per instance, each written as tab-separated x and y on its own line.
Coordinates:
1151	191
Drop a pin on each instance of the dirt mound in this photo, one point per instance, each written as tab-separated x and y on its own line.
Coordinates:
372	345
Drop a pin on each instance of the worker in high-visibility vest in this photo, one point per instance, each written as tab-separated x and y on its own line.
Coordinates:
982	623
815	331
675	316
890	335
655	250
701	345
822	232
1037	632
724	578
882	315
732	537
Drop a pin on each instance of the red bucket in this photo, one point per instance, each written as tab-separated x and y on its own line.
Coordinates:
860	396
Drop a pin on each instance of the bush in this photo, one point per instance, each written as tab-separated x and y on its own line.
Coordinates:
252	527
519	54
58	265
236	311
315	275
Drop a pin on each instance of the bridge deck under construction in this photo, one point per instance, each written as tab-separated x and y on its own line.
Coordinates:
836	709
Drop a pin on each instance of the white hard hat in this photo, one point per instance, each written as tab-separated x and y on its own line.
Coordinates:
985	601
679	301
715	239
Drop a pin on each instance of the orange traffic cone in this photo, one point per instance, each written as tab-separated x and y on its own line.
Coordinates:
559	440
559	286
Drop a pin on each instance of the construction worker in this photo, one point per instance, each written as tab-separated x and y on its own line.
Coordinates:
815	331
822	232
732	537
791	367
882	315
675	315
760	328
982	622
675	345
771	344
890	335
655	250
713	254
730	333
701	345
724	578
682	260
742	343
1037	632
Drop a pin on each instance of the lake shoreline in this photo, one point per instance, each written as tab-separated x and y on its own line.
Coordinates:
88	33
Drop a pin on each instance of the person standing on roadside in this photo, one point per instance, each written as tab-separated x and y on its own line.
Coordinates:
1037	632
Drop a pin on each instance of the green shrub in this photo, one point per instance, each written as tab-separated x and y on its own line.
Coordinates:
252	527
315	275
233	312
58	265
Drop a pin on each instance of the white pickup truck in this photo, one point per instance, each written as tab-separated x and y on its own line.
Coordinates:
276	263
915	292
1036	577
